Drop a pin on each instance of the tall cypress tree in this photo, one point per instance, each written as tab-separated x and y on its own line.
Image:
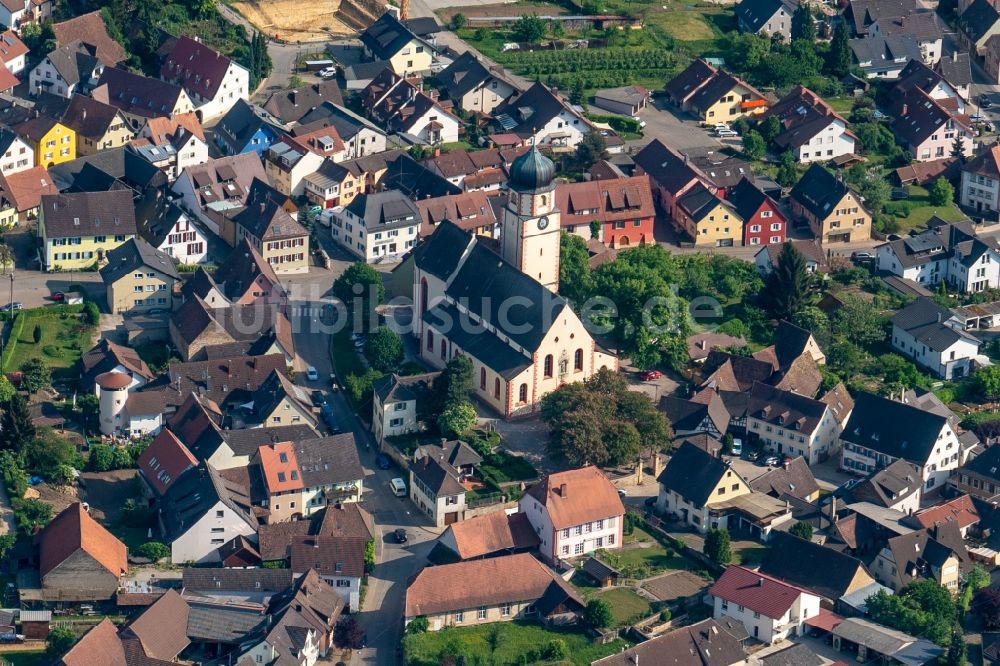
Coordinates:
16	426
838	58
802	24
788	284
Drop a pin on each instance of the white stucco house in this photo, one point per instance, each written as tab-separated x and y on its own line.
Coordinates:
394	404
567	526
980	190
951	253
213	81
934	338
769	609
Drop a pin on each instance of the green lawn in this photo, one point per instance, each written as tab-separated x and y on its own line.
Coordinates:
626	605
842	105
643	556
748	552
516	643
918	210
32	658
63	339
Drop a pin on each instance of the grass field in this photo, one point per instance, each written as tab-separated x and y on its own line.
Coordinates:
26	658
516	643
62	342
841	105
626	605
643	556
920	210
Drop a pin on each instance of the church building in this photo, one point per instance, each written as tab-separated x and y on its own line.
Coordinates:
503	312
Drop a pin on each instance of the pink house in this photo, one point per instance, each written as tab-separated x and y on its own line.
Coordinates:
928	127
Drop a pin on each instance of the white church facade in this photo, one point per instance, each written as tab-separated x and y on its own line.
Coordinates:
503	312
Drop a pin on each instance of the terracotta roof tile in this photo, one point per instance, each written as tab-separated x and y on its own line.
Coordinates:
90	29
960	511
73	530
162	628
164	460
758	592
577	496
493	532
100	645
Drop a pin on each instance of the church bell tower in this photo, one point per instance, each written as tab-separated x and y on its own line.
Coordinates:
529	231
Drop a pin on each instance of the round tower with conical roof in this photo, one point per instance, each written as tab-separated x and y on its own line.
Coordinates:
529	228
114	392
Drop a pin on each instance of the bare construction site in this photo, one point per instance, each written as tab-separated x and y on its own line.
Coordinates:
309	20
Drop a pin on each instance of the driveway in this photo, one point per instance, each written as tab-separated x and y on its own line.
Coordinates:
676	130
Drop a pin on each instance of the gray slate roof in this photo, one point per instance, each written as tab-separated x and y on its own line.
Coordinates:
136	254
893	428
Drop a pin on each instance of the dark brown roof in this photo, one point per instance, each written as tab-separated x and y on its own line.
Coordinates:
290	106
164	460
74	214
162	628
706	643
100	645
106	355
346	520
88	117
90	29
329	556
196	67
137	94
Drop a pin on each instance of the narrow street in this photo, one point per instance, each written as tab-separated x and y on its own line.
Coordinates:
382	610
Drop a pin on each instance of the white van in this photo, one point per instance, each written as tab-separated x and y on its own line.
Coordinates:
398	487
726	134
718	127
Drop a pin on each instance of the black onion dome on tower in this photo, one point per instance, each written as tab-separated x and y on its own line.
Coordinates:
532	171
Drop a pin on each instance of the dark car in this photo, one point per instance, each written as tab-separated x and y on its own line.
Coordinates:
400	535
318	399
382	461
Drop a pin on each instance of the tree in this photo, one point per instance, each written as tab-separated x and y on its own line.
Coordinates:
786	175
838	58
35	375
7	390
528	29
575	280
16	426
941	192
622	441
7	543
770	129
591	148
598	614
59	641
31	515
578	94
418	625
36	335
47	453
803	26
153	550
101	459
958	650
349	634
753	145
958	148
360	289
921	608
802	530
457	419
458	21
384	349
454	385
6	257
988	381
875	190
91	313
986	605
788	283
977	578
717	546
860	321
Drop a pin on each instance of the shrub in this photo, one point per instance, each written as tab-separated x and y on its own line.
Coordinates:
91	313
153	550
418	625
598	614
36	335
555	650
665	615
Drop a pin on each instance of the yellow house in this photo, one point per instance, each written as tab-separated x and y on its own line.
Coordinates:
53	142
697	500
280	239
78	229
279	402
139	278
707	219
388	39
714	95
834	213
97	126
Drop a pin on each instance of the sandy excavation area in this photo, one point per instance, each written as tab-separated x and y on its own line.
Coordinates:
294	20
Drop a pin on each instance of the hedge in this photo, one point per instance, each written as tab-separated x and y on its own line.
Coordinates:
16	329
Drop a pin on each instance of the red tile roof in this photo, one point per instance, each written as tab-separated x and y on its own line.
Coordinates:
577	496
605	200
758	592
100	645
73	530
90	29
280	467
164	460
25	188
11	46
960	511
195	67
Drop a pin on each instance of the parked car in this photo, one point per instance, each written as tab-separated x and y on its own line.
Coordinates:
737	447
398	487
400	535
753	456
382	461
772	461
311	374
318	399
58	296
862	256
650	375
12	306
727	134
622	493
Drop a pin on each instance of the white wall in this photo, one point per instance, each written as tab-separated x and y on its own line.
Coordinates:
832	141
811	446
201	541
955	361
980	193
771	630
946	456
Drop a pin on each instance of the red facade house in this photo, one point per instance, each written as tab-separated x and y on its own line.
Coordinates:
623	207
763	222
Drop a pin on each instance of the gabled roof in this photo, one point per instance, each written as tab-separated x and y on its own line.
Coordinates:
90	118
978	18
224	179
987	163
914	552
137	94
88	214
25	188
668	168
492	533
705	643
685	84
881	51
889	486
802	114
753	15
486	582
385	210
747	199
699	202
11	46
197	491
329	556
893	428
819	191
162	628
716	87
866	12
757	591
100	645
821	570
793	478
136	254
291	106
785	409
917	116
196	67
468	210
533	109
927	322
90	29
74	530
955	68
386	36
241	123
164	460
959	511
239	272
577	496
985	464
465	73
266	219
605	201
437	475
693	474
689	415
106	356
74	61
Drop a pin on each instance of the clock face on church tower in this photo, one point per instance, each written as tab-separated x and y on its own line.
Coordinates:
542	223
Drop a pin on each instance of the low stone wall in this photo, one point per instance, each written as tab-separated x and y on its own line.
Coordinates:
489	508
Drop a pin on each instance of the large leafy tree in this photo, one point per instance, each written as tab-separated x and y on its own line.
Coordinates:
528	29
591	148
788	284
384	349
599	421
717	546
360	288
35	375
922	608
941	192
575	281
16	426
803	26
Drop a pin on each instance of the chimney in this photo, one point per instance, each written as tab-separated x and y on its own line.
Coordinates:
444	442
954	56
703	344
562	491
906	108
84	114
760	582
